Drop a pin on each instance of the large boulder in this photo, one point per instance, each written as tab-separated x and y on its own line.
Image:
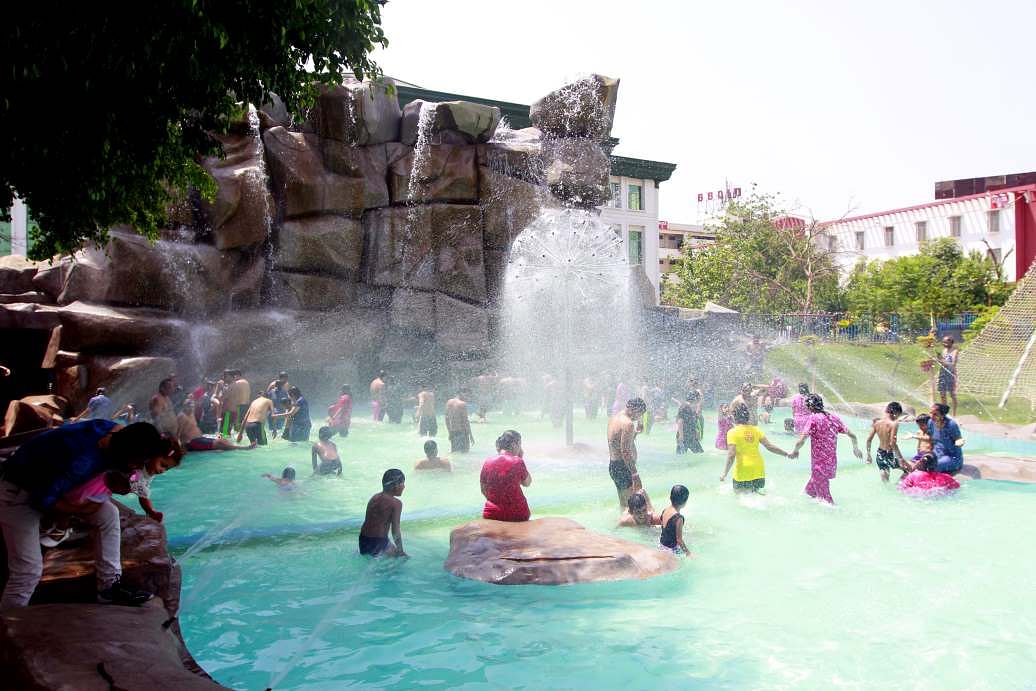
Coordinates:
508	206
73	646
330	245
240	214
576	171
50	277
31	297
357	113
413	310
584	108
28	316
432	247
311	291
459	326
103	329
517	159
186	278
22	417
549	551
449	122
16	274
440	174
127	379
303	185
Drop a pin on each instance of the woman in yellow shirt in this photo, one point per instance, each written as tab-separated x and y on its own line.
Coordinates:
743	448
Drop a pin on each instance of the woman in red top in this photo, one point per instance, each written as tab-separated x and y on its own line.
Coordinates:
502	479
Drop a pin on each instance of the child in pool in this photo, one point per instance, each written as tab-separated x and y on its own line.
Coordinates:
726	423
926	481
672	521
638	512
924	441
286	481
383	512
325	454
432	460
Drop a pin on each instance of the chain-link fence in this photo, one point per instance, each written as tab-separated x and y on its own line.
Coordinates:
828	326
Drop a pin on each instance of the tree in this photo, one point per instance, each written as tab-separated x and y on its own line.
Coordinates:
759	263
939	281
106	112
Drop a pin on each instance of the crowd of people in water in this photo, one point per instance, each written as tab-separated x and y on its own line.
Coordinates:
73	471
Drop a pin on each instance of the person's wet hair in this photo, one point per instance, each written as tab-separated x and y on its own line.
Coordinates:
325	433
746	387
815	403
637	502
803	389
636	404
172	450
430	447
165	383
282	375
928	463
678	495
923	419
508	441
100	391
894	408
943	409
288	474
347	390
391	478
741	416
693	395
135	443
294	391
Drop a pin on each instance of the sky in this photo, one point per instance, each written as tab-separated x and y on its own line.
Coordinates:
840	108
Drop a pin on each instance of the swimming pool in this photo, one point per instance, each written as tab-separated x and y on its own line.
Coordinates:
880	591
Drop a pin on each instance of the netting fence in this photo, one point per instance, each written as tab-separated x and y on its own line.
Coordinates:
841	327
1001	361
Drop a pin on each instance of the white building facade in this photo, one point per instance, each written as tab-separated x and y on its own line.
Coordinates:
983	223
633	210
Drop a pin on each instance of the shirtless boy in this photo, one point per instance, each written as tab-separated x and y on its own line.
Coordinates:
749	398
458	427
255	420
191	437
427	426
325	454
383	511
886	430
161	408
431	460
377	392
622	451
638	512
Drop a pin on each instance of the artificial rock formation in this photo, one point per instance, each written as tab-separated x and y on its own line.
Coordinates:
549	551
379	233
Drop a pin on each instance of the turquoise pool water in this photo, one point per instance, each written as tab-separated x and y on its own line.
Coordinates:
881	591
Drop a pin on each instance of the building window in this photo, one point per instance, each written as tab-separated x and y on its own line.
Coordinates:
954	226
890	236
859	240
636	244
922	231
616	200
633	198
994	221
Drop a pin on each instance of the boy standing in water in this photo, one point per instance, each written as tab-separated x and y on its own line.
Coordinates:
383	512
426	422
886	430
325	454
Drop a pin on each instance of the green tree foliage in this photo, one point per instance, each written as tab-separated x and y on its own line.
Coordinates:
939	281
107	108
756	266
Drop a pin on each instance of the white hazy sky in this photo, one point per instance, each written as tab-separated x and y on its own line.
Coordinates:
834	105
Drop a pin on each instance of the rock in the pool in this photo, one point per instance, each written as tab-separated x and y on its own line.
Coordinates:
549	551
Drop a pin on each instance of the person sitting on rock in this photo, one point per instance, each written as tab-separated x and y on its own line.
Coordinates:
37	477
383	512
432	460
502	479
325	454
638	512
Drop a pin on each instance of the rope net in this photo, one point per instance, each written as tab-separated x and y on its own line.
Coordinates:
1001	361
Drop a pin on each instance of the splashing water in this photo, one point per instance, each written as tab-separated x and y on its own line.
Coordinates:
566	301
